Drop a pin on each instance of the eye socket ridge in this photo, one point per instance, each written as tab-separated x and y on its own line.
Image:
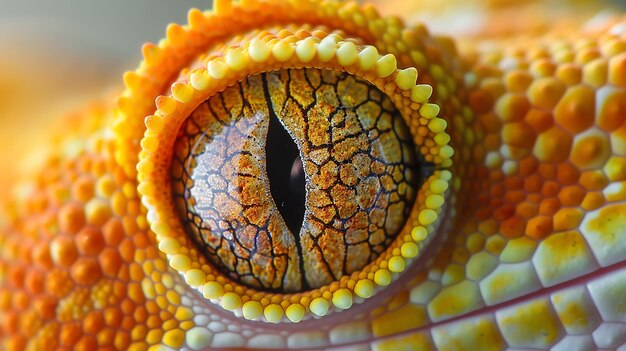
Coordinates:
173	111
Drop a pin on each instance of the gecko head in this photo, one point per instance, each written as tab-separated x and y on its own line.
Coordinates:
295	164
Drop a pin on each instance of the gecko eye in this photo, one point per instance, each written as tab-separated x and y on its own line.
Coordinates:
294	172
289	180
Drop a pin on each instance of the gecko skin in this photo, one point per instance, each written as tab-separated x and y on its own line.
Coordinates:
514	239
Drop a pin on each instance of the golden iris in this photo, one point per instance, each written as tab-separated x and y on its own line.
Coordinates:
289	180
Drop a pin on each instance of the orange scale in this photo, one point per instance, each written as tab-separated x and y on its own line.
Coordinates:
587	55
547	170
46	307
5	299
527	209
492	142
528	166
30	323
514	183
140	314
533	183
123	276
593	201
571	195
98	166
122	340
512	107
141	240
130	224
86	343
549	206
113	317
152	307
135	293
504	212
90	240
593	180
543	67
93	322
545	93
612	113
128	323
86	271
34	281
70	333
133	207
10	322
518	81
567	174
113	232
567	218
71	218
539	227
106	338
165	316
554	145
550	188
37	203
153	253
16	275
513	227
83	189
127	250
110	262
591	151
58	194
515	197
569	73
617	70
481	101
59	283
21	300
118	204
154	322
519	134
16	343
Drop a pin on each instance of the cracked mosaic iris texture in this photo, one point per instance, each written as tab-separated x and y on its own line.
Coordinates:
357	158
320	175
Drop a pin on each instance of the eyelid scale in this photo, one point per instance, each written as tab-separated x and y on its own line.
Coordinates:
522	233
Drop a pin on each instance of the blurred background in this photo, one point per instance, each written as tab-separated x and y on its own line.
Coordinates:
57	55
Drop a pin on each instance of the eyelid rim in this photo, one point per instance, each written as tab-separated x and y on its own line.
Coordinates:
290	52
206	29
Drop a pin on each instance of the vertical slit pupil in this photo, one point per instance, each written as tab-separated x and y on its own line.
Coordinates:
286	175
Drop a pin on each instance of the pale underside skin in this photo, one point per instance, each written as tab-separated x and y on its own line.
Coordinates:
528	251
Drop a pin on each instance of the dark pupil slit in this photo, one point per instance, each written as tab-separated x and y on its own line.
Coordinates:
286	175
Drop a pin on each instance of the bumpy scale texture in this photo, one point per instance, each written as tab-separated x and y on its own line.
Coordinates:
528	250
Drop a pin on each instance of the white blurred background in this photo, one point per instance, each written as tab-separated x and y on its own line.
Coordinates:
56	55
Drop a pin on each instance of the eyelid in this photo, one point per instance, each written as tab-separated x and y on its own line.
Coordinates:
430	70
157	147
